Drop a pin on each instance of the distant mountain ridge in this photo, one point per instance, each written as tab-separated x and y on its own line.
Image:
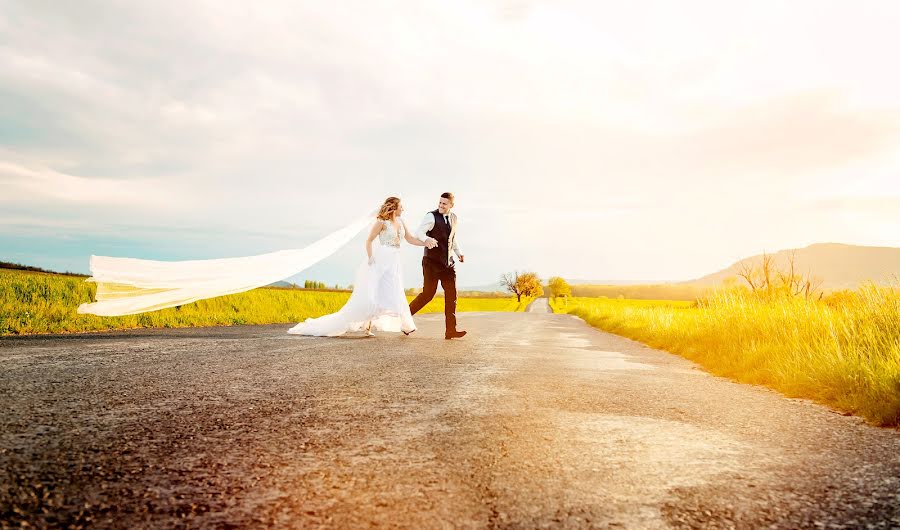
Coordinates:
838	265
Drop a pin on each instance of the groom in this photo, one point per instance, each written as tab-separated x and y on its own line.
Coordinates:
438	230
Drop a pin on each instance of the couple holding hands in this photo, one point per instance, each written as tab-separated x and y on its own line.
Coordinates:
378	301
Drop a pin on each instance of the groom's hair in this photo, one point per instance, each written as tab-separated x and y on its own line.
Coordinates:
447	195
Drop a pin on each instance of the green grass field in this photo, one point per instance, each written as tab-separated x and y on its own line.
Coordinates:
843	350
33	302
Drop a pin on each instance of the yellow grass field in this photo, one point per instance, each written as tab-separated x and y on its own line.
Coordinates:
642	292
33	302
843	350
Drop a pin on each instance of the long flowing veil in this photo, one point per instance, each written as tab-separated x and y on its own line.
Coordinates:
126	286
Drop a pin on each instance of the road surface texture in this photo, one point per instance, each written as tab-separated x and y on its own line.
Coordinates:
539	305
531	421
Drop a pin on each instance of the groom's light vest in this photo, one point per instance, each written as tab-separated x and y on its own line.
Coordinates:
440	254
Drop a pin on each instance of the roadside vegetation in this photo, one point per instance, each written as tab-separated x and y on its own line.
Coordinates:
841	348
521	284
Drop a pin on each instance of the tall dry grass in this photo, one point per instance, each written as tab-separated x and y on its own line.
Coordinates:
842	350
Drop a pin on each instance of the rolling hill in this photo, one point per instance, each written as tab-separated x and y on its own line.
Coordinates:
839	266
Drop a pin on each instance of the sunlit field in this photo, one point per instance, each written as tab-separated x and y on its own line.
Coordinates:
468	304
33	302
842	350
684	292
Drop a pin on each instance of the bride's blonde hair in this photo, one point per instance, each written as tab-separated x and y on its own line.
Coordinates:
391	205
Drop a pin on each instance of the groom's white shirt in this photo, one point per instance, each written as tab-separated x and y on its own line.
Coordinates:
428	224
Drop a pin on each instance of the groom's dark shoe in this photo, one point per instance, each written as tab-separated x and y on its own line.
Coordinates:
454	335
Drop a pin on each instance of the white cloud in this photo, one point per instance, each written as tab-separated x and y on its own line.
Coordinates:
42	185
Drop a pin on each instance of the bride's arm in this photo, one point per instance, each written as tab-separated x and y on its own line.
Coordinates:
409	237
373	233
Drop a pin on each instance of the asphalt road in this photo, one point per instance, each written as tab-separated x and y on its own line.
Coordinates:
533	420
539	305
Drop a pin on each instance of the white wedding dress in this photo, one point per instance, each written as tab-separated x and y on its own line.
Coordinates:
378	297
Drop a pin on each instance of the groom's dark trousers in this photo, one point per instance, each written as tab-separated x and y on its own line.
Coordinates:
434	272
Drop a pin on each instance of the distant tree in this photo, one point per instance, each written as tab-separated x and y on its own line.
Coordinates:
758	277
17	266
796	283
510	282
767	279
560	287
522	284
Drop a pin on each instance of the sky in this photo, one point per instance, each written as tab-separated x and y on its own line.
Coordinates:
645	140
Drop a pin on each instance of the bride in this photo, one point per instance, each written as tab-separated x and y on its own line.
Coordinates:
378	301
